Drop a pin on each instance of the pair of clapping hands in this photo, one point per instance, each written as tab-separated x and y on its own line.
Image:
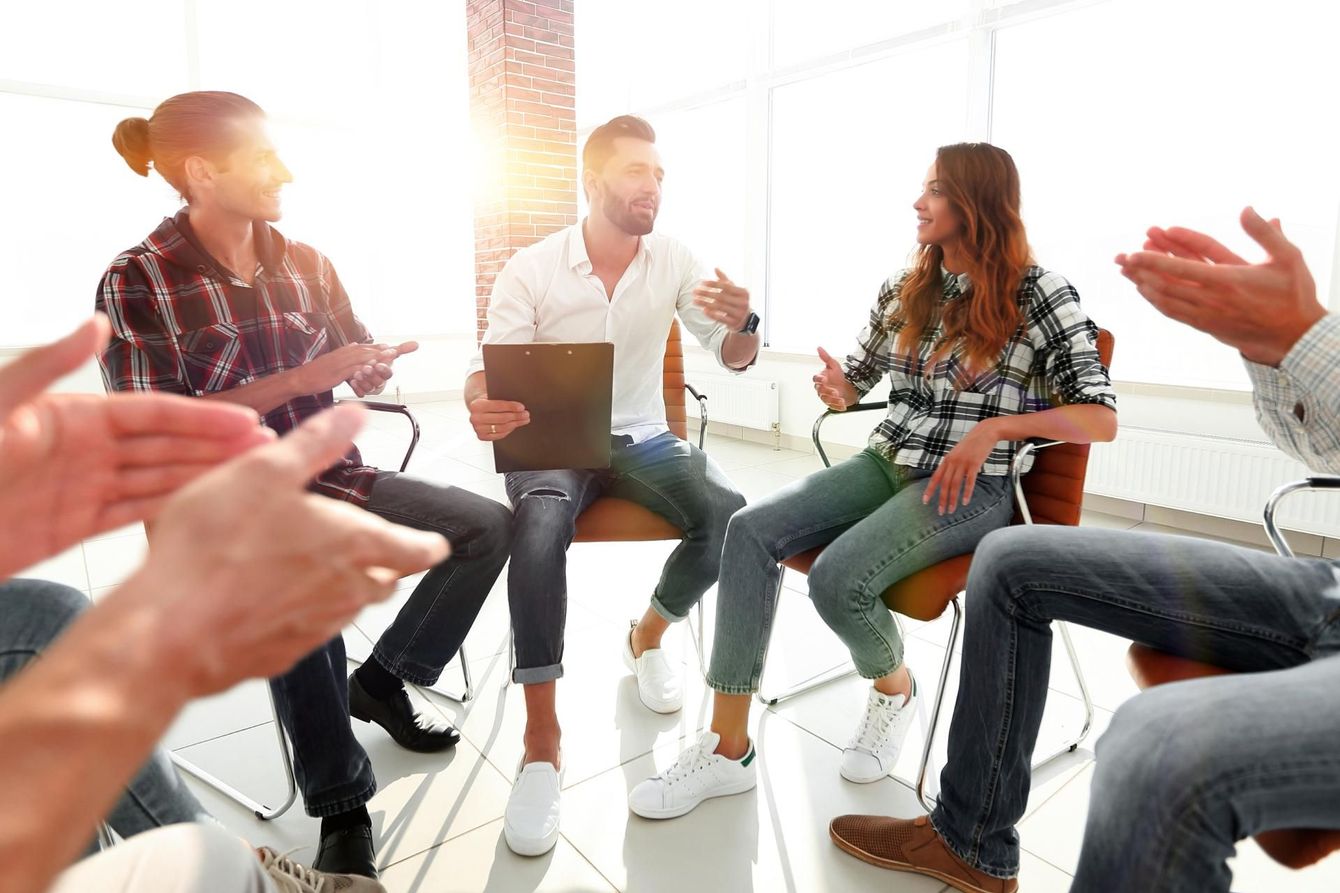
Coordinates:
253	570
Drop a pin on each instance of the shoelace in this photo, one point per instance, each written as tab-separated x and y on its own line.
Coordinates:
874	730
290	876
692	760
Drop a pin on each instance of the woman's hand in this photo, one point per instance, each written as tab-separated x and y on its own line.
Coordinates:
832	386
958	470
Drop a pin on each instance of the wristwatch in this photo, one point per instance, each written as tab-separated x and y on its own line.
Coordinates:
750	324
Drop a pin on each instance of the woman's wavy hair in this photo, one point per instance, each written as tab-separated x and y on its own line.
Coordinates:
982	186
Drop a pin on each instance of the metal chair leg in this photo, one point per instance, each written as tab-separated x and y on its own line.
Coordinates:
260	810
939	704
468	694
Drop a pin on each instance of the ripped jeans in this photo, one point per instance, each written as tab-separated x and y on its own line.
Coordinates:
666	475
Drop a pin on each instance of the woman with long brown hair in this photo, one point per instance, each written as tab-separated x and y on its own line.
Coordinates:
983	349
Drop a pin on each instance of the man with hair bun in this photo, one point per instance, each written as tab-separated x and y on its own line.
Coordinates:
217	304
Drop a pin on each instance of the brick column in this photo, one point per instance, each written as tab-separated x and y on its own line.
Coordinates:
522	109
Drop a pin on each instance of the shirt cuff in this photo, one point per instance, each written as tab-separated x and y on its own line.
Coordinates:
1311	362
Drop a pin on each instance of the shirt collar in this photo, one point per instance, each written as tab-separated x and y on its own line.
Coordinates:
580	260
175	240
959	280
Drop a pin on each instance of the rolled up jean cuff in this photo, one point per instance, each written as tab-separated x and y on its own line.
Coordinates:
537	675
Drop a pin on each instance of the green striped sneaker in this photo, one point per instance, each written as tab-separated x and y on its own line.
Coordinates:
699	774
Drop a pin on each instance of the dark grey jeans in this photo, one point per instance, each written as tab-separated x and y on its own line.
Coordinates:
333	771
1186	769
669	476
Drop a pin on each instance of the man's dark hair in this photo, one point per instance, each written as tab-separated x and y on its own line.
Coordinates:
599	146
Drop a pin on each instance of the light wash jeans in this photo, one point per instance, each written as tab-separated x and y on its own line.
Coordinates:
1186	769
33	613
869	515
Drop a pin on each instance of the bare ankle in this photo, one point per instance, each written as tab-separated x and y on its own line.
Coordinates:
543	746
733	748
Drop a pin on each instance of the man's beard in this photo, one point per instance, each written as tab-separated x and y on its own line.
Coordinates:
621	215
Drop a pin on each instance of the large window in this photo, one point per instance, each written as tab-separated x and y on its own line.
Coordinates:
368	107
1121	115
1118	124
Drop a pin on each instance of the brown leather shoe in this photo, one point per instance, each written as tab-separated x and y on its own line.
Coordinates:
911	845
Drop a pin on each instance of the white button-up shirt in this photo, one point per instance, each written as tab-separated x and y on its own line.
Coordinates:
547	292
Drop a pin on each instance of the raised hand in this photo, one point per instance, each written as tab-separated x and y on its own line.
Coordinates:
248	571
723	300
1260	309
371	378
832	386
80	464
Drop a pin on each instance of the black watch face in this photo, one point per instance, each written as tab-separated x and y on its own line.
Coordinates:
750	325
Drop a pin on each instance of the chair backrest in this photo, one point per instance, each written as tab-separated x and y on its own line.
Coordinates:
1054	486
672	380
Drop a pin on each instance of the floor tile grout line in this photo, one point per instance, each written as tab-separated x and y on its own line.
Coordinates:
221	736
588	861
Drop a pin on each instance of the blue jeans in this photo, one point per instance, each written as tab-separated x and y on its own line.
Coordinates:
33	613
333	771
1186	769
666	475
868	514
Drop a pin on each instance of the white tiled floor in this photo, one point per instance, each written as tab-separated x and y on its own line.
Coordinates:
439	817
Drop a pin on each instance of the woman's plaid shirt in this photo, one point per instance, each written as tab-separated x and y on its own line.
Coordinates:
1051	359
182	324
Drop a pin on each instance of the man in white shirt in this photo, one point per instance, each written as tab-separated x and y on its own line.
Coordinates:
608	278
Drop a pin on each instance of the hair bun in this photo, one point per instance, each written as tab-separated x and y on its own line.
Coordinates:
131	139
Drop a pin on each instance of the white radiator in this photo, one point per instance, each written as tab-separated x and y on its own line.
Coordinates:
738	400
1211	475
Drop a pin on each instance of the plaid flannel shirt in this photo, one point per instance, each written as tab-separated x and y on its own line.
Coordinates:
1051	359
1299	403
183	324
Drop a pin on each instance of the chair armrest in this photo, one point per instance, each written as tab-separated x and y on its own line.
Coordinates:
702	411
399	409
819	422
1315	482
1017	472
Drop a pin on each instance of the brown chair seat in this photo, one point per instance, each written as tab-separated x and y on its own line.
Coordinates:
1292	847
612	520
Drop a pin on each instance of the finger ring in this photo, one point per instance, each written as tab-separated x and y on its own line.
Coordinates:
493	429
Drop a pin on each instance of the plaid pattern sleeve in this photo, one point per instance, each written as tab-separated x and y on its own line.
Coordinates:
1068	342
866	365
1298	404
141	354
1052	358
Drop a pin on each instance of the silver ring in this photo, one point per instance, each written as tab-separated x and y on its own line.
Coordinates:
493	429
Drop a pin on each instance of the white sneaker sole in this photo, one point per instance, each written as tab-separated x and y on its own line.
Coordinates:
528	846
861	779
674	812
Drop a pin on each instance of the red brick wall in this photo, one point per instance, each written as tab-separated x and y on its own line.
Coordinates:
522	107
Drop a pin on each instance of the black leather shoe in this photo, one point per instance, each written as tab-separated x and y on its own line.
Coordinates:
347	851
410	730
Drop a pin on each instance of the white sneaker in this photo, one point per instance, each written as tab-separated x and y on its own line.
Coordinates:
530	822
698	775
657	682
879	738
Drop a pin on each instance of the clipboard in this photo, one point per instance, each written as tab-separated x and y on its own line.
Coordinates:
568	390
